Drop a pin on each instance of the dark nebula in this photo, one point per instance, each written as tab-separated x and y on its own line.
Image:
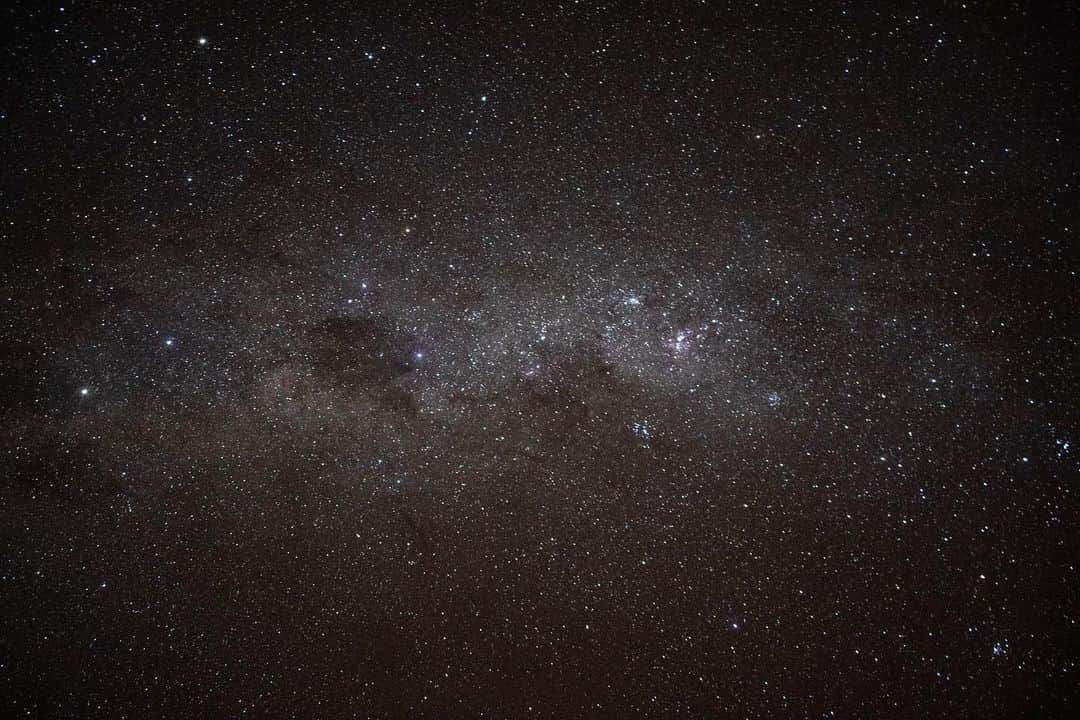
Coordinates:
558	360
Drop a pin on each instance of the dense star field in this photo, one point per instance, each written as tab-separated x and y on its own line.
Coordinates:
601	360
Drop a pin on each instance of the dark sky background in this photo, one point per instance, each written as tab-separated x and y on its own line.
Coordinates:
606	360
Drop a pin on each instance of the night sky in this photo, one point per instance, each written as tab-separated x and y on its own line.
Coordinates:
561	360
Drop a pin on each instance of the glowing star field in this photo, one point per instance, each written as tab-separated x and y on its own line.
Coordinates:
555	360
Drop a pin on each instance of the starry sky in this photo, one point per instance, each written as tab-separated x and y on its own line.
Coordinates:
557	360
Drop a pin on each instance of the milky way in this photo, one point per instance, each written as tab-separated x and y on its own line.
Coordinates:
593	360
